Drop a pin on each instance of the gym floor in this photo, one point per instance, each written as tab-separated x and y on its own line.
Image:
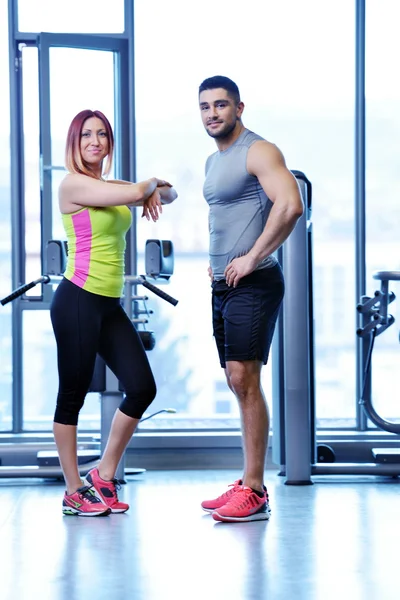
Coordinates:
335	539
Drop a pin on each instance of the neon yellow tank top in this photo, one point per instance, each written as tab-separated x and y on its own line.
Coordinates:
96	248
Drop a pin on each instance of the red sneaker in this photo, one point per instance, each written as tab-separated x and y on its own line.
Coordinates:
106	491
211	505
84	503
244	505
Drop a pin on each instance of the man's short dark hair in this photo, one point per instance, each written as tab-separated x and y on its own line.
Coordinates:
219	81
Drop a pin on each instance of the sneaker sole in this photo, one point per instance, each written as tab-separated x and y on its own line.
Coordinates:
264	516
116	511
76	513
208	510
112	510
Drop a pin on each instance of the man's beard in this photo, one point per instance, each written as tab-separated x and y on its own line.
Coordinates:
224	132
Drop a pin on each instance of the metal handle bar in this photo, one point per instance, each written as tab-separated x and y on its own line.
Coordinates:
141	279
23	289
57	278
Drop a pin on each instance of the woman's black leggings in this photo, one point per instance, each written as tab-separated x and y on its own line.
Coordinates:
87	324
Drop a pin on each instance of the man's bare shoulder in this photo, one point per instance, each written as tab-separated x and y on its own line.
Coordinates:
263	155
265	148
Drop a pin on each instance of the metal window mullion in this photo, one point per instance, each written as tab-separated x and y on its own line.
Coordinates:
129	134
13	19
46	210
17	213
88	41
360	213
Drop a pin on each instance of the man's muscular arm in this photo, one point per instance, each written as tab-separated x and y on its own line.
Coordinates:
266	162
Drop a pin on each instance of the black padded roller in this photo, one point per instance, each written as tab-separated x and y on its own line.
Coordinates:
159	292
23	289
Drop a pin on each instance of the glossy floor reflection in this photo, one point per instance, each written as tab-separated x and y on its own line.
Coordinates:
336	539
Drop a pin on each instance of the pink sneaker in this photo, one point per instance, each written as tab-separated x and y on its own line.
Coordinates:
106	491
84	503
244	505
211	505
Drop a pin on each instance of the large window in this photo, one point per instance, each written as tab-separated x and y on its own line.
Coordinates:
294	64
5	230
54	76
67	71
383	187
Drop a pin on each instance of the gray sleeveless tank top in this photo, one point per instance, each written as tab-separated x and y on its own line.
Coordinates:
239	207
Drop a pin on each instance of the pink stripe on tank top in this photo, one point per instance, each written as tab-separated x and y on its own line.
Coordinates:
83	236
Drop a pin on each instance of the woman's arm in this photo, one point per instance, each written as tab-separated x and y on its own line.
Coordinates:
167	193
80	190
160	182
152	206
119	181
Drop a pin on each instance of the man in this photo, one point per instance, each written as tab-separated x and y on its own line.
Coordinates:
254	203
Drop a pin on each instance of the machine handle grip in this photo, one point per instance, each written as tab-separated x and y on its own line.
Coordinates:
158	292
23	289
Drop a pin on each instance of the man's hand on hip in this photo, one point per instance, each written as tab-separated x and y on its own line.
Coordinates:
238	268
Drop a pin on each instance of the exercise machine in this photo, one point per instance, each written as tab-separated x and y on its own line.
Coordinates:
293	440
43	459
295	445
376	319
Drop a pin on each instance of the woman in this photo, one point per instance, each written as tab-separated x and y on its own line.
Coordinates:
86	311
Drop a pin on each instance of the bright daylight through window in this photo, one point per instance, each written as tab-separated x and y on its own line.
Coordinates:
309	114
297	83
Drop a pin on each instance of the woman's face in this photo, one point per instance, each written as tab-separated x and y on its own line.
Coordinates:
94	144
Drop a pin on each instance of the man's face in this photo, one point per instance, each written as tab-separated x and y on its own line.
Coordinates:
219	112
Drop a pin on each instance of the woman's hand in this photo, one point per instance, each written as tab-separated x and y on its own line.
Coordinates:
152	207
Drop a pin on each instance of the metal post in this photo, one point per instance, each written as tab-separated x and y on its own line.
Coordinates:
17	212
278	389
361	343
297	356
130	129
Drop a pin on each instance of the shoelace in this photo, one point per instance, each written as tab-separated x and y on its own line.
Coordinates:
115	486
88	495
229	493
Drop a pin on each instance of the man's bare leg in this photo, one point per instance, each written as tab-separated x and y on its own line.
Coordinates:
243	378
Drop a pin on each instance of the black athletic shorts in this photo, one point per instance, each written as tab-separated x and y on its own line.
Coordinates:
244	317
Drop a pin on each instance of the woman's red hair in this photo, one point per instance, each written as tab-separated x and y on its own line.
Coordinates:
73	158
